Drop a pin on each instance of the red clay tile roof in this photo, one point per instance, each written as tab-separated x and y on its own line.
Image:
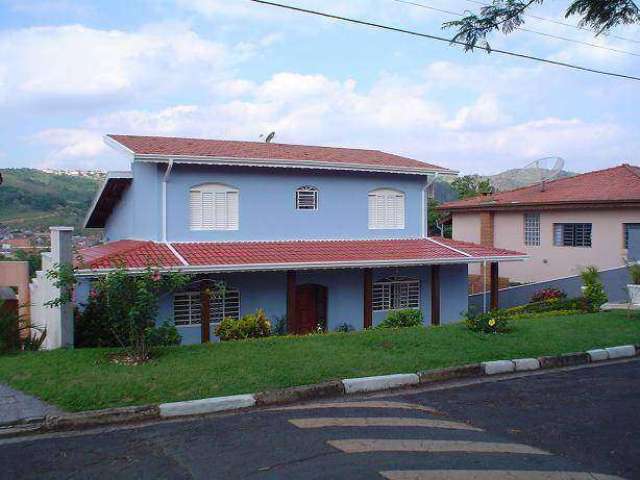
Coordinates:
316	253
130	253
225	149
619	184
16	242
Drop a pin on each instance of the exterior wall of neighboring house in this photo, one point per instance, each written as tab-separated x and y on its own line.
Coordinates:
16	274
266	204
548	261
268	290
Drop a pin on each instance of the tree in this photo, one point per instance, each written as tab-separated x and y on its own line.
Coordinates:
470	186
507	15
435	220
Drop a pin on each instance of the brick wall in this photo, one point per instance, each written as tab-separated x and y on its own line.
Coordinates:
486	228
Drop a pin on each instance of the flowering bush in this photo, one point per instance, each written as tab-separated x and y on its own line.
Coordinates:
254	325
547	294
127	305
495	321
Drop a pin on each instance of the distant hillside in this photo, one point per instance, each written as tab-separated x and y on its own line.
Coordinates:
518	177
33	199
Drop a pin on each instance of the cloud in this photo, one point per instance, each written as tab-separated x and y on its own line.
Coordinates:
393	114
71	147
72	65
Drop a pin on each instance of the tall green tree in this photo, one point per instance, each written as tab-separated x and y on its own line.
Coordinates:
470	186
507	15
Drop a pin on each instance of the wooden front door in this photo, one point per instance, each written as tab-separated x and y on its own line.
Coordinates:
311	308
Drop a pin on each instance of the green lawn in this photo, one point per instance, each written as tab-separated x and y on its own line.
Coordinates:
82	380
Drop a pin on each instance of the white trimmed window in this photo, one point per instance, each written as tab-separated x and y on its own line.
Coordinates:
186	306
307	198
214	206
396	293
386	209
532	229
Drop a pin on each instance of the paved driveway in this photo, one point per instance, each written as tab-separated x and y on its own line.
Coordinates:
513	429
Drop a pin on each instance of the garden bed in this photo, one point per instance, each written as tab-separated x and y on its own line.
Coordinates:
85	379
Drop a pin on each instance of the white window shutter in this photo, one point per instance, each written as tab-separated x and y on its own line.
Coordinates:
214	207
232	211
386	209
195	207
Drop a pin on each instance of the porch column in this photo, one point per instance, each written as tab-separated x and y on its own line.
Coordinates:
368	305
494	303
435	294
205	313
291	302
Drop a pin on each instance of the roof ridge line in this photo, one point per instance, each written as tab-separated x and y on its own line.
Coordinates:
177	254
449	247
323	240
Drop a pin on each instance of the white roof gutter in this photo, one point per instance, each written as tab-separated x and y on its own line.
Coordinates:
265	267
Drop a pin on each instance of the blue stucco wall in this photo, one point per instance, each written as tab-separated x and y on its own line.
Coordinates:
267	290
614	280
267	204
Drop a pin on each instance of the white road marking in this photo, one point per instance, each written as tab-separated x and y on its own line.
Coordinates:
493	475
371	404
431	446
379	422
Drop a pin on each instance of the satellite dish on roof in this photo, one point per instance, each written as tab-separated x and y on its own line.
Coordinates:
269	137
544	169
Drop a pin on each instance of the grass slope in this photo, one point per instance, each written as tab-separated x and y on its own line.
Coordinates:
82	380
35	199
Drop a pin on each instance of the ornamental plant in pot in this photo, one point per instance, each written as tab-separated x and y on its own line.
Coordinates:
634	286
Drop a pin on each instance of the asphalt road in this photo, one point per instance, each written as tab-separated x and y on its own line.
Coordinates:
560	425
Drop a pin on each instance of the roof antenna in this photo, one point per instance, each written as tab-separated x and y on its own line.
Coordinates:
544	169
269	137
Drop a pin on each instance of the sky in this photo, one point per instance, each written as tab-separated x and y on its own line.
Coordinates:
73	71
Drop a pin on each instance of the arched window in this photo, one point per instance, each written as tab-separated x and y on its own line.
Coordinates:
307	198
396	293
386	209
214	206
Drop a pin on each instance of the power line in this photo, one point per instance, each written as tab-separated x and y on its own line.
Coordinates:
523	29
442	39
564	24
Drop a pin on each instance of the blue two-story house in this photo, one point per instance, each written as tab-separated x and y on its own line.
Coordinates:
316	236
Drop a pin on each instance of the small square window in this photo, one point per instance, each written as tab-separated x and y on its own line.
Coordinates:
307	198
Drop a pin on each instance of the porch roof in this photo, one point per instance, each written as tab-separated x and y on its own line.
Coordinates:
286	255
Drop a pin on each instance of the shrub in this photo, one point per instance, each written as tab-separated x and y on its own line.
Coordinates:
279	326
594	289
166	335
127	304
253	325
91	326
495	321
16	334
552	305
634	273
402	319
345	328
548	294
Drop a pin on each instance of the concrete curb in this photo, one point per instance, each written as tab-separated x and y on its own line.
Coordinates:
95	418
498	366
333	388
384	382
566	360
598	355
451	373
206	405
621	352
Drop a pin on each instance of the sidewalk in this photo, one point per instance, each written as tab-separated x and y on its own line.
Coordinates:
17	407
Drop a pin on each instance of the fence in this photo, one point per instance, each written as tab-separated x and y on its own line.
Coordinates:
615	285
